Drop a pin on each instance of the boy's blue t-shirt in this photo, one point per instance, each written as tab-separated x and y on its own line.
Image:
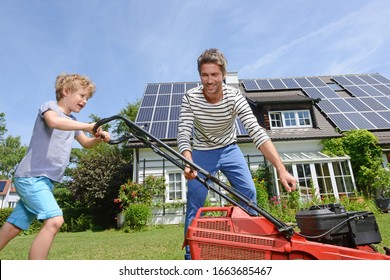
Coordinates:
49	150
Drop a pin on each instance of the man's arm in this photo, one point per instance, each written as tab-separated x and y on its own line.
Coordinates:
269	151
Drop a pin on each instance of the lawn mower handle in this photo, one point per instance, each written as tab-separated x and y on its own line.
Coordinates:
180	161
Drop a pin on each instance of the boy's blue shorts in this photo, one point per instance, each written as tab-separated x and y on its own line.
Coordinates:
36	201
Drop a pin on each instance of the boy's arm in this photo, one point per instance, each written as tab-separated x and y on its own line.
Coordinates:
90	142
53	120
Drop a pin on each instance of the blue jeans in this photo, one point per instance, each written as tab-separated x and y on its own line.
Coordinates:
231	162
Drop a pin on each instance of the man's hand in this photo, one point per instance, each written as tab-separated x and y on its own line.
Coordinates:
288	181
189	173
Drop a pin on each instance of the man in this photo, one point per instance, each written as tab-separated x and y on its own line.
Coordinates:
209	113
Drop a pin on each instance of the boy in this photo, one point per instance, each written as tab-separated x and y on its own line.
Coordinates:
45	162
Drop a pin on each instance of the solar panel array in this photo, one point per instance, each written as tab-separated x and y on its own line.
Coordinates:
160	107
367	106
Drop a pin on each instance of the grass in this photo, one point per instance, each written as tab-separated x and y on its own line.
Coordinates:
152	243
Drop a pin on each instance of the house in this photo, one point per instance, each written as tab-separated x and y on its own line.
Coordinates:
297	113
8	195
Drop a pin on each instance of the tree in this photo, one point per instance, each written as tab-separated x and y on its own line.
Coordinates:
363	148
11	151
96	180
3	128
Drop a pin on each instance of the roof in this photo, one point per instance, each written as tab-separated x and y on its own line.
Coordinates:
341	103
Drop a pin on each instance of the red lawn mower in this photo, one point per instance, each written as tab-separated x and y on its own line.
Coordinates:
326	232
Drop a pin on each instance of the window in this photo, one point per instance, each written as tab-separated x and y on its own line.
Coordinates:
304	180
290	119
334	86
175	187
324	179
319	176
343	177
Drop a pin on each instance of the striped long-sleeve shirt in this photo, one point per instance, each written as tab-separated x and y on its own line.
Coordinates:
213	125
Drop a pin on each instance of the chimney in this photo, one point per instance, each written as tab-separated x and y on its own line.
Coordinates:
232	78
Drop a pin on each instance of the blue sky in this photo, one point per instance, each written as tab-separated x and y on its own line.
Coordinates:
124	44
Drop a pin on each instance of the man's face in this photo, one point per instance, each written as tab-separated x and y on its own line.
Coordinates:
212	78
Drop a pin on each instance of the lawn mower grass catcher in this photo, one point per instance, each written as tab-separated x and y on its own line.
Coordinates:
327	232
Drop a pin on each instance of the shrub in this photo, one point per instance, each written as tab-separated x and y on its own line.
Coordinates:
131	192
137	216
4	213
35	225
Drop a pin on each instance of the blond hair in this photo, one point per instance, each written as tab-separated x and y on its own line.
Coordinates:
73	82
213	56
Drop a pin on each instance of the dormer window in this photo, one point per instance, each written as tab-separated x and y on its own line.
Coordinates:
290	119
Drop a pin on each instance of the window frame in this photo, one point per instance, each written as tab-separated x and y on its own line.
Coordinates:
285	118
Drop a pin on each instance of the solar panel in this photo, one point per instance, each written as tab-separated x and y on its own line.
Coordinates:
161	114
359	121
178	88
328	92
277	84
176	99
342	105
355	80
151	89
376	120
158	129
264	85
384	100
368	79
356	91
240	128
303	82
327	107
357	104
380	78
2	185
291	83
342	122
172	129
250	85
373	104
165	88
341	80
174	114
313	93
191	86
383	89
317	82
145	114
163	100
385	115
371	91
148	100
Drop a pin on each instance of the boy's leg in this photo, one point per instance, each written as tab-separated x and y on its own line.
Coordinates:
39	200
7	233
43	241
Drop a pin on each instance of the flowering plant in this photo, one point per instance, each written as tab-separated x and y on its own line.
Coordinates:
132	193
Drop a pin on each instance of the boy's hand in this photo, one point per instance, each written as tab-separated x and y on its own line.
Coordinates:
104	135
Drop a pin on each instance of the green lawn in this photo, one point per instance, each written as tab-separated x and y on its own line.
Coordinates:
153	243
